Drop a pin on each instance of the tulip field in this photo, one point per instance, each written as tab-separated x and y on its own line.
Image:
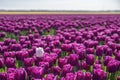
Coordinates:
60	47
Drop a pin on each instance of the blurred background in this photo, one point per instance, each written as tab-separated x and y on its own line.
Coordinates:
77	5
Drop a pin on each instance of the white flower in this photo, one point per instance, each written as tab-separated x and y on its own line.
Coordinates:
39	52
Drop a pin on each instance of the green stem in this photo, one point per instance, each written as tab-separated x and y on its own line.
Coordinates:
113	76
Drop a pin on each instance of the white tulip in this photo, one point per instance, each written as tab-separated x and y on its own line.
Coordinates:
39	52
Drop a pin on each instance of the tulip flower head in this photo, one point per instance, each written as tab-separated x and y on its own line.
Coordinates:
39	52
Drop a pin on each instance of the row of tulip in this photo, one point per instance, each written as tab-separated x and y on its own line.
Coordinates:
59	47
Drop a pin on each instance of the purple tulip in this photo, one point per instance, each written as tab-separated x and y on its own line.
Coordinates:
37	72
11	70
20	55
85	65
15	47
117	56
56	70
37	79
88	76
109	52
10	62
90	50
2	62
9	54
112	45
113	66
62	78
79	39
2	34
99	74
45	65
90	59
21	74
66	69
57	51
107	59
97	66
49	59
73	59
51	77
70	76
11	76
28	70
81	53
28	62
31	37
3	76
80	75
13	41
62	62
7	41
66	47
99	51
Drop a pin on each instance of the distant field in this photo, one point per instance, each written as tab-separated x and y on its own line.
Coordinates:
59	12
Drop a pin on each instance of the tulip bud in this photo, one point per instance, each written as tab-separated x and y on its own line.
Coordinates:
51	77
99	74
107	59
2	62
113	66
56	70
37	72
117	56
21	74
70	76
85	65
73	59
80	75
90	59
28	62
62	62
3	76
10	62
66	69
88	76
99	51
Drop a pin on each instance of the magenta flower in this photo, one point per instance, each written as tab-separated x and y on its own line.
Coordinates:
66	69
51	77
62	62
88	76
85	65
28	62
98	66
56	70
3	76
21	74
113	66
99	74
11	76
10	62
99	51
81	53
90	59
117	56
73	59
37	72
80	75
70	76
2	62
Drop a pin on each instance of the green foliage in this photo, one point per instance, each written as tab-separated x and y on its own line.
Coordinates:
52	32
